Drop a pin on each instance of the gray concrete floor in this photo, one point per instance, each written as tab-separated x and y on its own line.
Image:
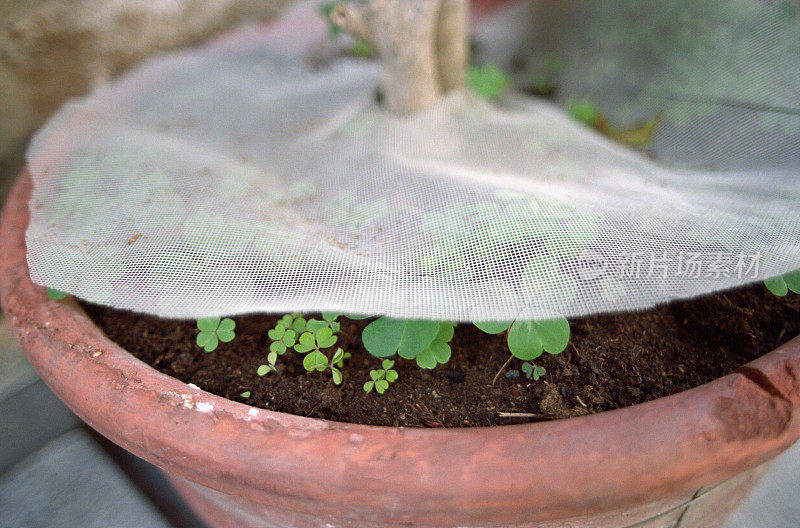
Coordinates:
57	473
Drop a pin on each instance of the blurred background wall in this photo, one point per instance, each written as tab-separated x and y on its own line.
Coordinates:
54	49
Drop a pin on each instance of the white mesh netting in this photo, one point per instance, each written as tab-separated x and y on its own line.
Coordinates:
242	177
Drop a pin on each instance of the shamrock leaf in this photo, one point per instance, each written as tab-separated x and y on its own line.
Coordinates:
279	347
282	337
385	337
533	371
315	325
381	378
225	331
528	339
213	330
315	360
325	338
438	352
305	343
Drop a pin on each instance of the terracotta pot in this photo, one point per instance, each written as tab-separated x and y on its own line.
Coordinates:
690	456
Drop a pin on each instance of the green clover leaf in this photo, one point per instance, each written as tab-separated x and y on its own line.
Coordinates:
56	295
381	378
386	337
225	330
438	351
213	330
325	338
315	360
337	375
494	327
305	343
533	371
528	339
782	285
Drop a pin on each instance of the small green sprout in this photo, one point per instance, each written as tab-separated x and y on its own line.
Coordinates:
245	394
331	319
585	111
527	340
213	330
317	361
56	295
639	135
311	343
272	358
294	321
362	49
326	9
381	378
533	371
424	341
283	336
783	284
488	81
322	338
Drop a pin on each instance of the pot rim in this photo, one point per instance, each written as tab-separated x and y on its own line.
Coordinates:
546	470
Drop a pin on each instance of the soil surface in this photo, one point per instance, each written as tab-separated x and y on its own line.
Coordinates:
612	361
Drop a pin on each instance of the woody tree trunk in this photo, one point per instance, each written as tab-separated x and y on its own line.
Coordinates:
423	45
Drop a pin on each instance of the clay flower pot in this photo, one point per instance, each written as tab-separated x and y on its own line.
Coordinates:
688	457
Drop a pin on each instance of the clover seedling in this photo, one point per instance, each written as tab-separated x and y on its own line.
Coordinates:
272	358
310	344
308	341
56	295
528	339
585	111
381	378
318	361
533	371
424	341
213	330
362	49
784	284
330	319
488	81
326	9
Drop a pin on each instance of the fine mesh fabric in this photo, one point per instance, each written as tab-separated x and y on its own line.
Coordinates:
253	175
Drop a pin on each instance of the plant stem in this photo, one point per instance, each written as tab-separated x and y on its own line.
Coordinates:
423	45
502	368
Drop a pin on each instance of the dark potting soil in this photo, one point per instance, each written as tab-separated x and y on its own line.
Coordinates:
612	361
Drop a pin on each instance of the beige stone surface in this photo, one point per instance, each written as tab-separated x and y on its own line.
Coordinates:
53	49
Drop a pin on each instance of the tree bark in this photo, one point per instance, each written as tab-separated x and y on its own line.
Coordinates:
422	43
452	43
